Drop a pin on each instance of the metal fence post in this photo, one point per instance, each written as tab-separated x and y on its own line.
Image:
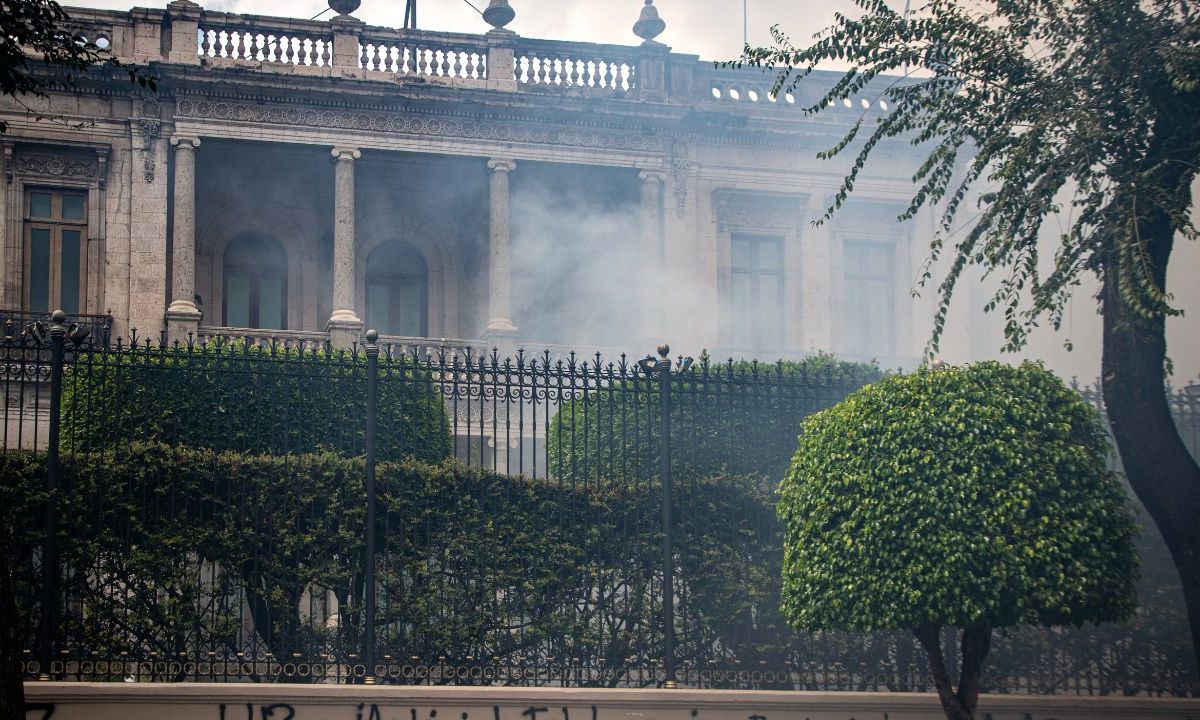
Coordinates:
369	571
58	337
664	390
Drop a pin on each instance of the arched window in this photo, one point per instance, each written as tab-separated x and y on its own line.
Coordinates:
255	278
397	291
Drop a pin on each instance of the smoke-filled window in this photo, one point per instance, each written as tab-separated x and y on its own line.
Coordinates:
756	292
255	280
397	282
870	299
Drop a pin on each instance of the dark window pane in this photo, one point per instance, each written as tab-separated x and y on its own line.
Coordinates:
237	301
410	309
740	254
73	207
378	305
69	272
39	270
39	204
270	302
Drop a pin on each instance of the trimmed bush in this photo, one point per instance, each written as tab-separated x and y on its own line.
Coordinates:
977	498
237	396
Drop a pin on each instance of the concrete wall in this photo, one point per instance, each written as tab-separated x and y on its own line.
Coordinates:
118	701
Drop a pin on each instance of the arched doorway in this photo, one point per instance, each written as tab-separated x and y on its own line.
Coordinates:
397	290
254	271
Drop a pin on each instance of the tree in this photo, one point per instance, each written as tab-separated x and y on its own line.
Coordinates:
38	53
977	498
1028	101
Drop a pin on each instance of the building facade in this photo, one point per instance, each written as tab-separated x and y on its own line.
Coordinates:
312	179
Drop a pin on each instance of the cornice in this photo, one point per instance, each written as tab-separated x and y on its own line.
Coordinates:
405	122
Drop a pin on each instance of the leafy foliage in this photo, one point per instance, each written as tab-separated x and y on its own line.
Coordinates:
147	530
39	52
1026	102
954	497
736	417
237	396
976	497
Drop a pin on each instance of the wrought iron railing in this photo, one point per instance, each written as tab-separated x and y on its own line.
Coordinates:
214	502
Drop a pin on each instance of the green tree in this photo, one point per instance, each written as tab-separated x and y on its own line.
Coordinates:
976	498
1028	102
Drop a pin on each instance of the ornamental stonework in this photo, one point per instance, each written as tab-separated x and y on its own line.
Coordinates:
737	209
400	124
56	165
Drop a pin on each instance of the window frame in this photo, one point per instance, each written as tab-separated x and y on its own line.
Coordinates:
393	279
55	224
255	274
865	278
754	340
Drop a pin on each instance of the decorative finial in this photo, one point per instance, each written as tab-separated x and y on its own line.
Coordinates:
344	7
649	25
372	336
664	350
498	14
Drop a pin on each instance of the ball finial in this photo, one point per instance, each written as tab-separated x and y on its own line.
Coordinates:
664	350
372	336
649	25
58	317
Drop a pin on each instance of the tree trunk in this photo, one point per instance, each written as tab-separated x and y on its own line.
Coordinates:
976	642
1160	470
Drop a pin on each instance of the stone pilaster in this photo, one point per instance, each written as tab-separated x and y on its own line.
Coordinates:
184	26
650	253
344	325
819	303
183	317
346	30
501	60
500	328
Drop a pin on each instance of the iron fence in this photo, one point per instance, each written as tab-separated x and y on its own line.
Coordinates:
237	509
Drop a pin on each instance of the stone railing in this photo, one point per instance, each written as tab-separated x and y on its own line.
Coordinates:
749	86
600	68
267	40
424	54
185	33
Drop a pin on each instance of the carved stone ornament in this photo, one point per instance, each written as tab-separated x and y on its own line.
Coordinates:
56	165
150	125
739	209
419	125
681	166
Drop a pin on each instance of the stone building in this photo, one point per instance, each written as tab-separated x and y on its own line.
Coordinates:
310	179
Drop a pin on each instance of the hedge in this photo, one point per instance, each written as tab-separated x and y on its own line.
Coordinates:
232	395
739	418
465	557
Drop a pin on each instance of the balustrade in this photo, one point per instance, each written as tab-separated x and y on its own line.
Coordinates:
244	37
420	54
576	65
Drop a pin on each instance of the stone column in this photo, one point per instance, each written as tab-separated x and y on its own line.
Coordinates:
344	326
183	317
500	326
650	254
